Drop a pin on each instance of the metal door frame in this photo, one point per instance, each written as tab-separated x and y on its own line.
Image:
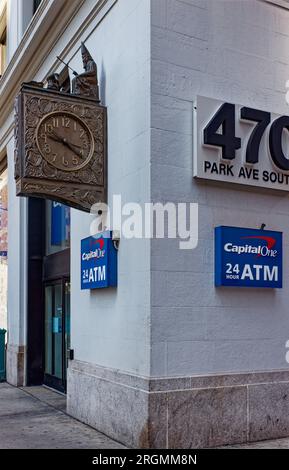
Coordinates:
50	380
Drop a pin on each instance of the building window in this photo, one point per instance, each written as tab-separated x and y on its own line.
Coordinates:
3	53
3	36
27	12
36	5
57	227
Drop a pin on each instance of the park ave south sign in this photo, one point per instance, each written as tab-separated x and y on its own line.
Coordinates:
238	144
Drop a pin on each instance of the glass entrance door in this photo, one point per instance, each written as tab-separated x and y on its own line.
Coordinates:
57	333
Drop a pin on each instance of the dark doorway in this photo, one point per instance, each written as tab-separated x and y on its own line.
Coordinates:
48	293
35	306
57	333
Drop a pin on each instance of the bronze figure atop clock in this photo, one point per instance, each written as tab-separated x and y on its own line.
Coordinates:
65	141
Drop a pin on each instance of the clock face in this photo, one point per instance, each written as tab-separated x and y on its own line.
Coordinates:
65	141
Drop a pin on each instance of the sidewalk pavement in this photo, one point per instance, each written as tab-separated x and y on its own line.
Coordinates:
34	418
273	444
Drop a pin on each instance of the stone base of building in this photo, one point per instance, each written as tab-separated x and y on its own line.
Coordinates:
175	413
15	365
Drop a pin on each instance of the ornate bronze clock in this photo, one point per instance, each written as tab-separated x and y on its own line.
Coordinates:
60	141
65	141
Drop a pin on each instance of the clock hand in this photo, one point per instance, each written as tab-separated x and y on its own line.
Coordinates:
71	144
64	141
72	147
55	137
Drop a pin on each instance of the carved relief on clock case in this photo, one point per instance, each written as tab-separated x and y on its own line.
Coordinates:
60	147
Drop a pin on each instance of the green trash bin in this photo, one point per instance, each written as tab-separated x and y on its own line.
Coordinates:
2	356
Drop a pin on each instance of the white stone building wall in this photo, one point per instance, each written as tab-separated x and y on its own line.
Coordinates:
235	51
112	328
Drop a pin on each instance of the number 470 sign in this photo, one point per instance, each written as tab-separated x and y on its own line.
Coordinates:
240	144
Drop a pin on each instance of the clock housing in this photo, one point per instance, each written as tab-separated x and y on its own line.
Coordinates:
60	147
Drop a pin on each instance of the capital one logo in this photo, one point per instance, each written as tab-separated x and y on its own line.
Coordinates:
96	251
260	250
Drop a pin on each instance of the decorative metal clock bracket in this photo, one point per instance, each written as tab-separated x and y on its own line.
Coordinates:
61	139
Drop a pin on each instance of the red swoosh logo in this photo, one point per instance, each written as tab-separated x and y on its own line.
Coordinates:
99	241
271	242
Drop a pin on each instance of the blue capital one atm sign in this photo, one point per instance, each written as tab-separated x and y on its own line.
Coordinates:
248	257
98	262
